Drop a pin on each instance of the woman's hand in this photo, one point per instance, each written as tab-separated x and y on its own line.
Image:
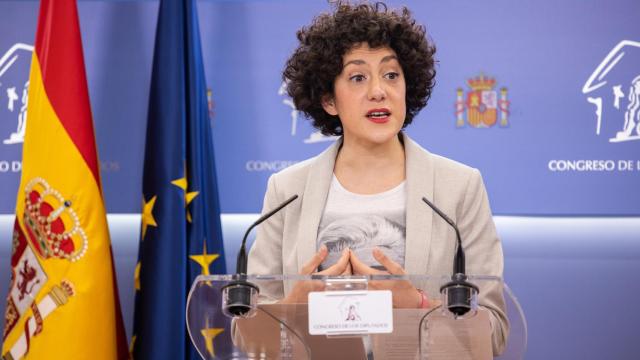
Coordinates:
301	289
341	267
405	295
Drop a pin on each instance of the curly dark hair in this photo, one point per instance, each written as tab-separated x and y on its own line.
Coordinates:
312	69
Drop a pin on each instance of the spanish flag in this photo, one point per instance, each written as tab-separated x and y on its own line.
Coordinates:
63	300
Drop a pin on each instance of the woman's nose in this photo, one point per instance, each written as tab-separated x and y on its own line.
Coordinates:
376	91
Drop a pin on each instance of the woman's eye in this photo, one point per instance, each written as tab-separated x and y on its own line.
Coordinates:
392	75
357	78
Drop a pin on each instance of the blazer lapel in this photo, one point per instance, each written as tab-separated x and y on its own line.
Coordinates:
420	178
313	202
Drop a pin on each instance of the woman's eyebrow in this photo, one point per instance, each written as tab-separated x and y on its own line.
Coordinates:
388	58
354	62
362	62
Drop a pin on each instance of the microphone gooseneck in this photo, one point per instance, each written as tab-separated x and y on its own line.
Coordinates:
241	264
239	296
459	290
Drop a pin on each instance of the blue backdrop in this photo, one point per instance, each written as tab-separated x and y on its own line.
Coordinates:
564	140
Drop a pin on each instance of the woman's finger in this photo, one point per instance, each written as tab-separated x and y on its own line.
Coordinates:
315	261
393	267
347	271
340	266
344	259
360	268
357	266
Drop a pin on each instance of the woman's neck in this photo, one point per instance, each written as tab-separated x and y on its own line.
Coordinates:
369	169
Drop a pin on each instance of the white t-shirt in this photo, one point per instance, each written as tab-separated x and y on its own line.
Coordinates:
362	222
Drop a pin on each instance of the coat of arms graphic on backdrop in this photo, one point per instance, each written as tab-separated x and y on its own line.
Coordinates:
482	103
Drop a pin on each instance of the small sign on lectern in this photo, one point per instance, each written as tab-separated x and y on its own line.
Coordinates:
350	312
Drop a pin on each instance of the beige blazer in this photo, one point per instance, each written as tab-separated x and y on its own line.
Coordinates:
288	240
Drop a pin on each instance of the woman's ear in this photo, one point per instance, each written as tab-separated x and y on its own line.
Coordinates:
329	105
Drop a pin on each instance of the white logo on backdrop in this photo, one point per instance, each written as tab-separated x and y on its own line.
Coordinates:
16	94
315	136
629	90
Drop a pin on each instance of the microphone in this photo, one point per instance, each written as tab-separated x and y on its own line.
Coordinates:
458	292
239	297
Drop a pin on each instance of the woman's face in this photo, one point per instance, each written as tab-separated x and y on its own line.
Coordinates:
369	96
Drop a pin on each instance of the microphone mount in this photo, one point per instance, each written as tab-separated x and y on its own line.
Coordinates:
458	292
239	297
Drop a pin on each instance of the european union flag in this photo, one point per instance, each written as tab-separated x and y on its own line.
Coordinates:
180	235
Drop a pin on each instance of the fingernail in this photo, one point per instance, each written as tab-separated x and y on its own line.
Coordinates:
323	248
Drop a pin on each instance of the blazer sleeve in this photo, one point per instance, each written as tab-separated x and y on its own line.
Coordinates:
483	253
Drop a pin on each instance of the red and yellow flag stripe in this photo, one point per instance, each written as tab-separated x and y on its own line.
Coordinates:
63	303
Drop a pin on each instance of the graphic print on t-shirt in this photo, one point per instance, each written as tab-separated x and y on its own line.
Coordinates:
362	223
362	233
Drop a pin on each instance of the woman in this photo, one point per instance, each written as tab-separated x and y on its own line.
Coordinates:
363	73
